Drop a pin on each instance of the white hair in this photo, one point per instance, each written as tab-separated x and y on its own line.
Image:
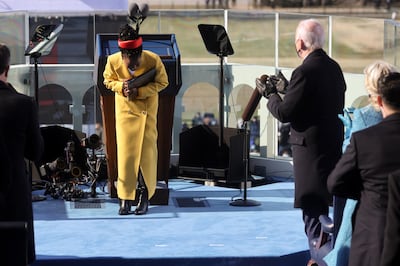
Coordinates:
373	73
311	32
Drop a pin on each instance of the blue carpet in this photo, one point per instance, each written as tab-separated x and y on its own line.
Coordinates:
197	227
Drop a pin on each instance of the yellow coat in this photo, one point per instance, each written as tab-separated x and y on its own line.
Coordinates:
136	122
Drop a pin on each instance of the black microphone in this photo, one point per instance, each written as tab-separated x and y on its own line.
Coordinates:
253	102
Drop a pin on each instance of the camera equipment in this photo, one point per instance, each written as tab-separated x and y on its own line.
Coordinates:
73	167
70	171
97	168
93	142
53	167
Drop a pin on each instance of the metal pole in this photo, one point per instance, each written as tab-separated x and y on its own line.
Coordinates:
221	102
36	81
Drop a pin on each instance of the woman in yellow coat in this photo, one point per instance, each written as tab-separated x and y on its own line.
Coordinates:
136	118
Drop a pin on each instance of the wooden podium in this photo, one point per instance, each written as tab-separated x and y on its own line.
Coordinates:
166	47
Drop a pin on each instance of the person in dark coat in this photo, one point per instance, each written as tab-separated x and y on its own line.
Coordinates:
314	98
391	243
20	138
362	174
356	120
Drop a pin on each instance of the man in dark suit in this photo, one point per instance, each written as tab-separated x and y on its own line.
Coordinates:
20	138
362	173
313	100
391	244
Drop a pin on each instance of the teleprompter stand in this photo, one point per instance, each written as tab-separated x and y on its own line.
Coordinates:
41	43
217	42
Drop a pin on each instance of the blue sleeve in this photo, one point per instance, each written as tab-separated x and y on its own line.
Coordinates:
362	118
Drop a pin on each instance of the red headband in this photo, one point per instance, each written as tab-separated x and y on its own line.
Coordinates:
130	44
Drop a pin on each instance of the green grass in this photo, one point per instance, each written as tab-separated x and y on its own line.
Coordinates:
252	34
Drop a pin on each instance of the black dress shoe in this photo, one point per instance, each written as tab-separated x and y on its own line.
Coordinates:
143	204
124	207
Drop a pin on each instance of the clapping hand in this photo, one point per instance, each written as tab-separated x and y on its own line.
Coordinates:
266	88
268	85
282	83
346	120
130	93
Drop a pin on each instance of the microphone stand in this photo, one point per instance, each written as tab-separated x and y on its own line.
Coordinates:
246	143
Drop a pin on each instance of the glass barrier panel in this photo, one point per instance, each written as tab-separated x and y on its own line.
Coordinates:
252	35
392	42
184	24
13	35
356	42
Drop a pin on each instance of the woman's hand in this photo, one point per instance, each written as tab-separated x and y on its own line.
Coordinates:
130	93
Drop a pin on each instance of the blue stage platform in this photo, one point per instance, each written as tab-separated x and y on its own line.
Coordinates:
197	227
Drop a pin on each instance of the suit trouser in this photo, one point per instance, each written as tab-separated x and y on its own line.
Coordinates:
312	228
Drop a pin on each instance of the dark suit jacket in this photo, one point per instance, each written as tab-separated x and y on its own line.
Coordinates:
391	244
362	173
20	131
314	99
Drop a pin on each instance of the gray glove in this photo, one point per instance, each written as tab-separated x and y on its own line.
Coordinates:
282	83
266	88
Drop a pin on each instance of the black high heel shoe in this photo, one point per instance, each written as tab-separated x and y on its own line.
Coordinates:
143	204
125	207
